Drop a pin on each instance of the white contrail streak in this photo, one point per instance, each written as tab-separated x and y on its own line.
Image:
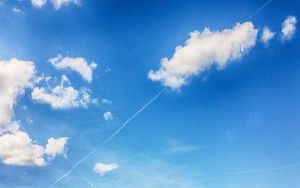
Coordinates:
88	181
260	9
137	113
78	163
111	137
266	169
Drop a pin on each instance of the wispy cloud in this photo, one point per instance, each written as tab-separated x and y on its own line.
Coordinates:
177	147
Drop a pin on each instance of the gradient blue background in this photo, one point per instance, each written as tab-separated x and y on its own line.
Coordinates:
244	117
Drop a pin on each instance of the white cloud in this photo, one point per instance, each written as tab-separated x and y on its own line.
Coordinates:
267	35
16	10
288	27
59	3
203	50
56	3
107	116
38	3
56	147
16	147
106	101
102	169
77	64
15	76
63	96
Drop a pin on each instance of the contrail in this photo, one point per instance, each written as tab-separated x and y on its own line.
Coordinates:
260	9
137	113
111	137
78	163
88	181
265	169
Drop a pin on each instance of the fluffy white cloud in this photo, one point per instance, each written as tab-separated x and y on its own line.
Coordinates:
102	169
288	27
201	51
77	64
107	116
59	3
267	35
56	3
38	3
63	96
16	147
56	147
15	76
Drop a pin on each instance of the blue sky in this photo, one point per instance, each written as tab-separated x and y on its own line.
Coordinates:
231	126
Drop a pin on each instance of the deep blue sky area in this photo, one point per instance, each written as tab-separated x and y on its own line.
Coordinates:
236	127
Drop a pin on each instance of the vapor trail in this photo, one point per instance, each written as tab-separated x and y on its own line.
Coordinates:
137	113
71	169
88	181
265	169
111	137
260	9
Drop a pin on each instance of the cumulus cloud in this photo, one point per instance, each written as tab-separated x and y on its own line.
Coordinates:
288	27
38	3
107	116
56	147
56	3
77	64
59	3
102	169
203	50
63	96
15	76
267	35
16	147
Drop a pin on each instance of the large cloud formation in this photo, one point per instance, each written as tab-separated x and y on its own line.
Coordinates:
16	147
203	50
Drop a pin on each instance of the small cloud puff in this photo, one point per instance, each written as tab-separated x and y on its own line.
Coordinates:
288	27
107	116
267	35
102	169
